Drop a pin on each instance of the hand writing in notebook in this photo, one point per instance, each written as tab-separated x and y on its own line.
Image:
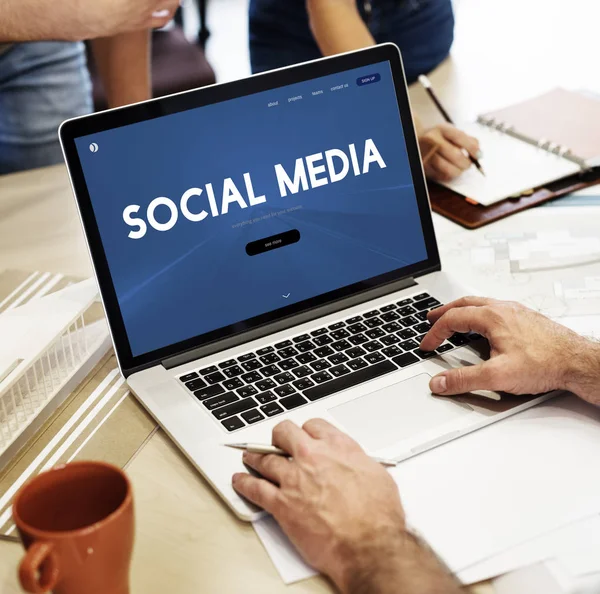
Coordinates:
442	148
511	167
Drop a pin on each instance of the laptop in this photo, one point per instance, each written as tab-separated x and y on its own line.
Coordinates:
265	251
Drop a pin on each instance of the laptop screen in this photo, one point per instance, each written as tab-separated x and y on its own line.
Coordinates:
216	215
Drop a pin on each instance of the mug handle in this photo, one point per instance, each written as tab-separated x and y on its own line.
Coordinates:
38	572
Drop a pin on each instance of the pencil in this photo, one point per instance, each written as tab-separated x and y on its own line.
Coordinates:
427	86
256	448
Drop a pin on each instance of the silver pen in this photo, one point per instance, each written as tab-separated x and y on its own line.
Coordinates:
257	448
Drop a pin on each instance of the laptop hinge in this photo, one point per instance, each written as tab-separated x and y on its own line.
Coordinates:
285	323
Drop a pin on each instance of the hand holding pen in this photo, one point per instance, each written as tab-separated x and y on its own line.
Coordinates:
457	150
257	448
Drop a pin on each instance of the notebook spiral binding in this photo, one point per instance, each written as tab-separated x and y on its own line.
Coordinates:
544	144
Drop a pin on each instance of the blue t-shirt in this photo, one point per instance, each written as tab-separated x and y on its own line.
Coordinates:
280	34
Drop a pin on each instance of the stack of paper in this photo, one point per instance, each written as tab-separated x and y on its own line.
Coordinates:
547	577
491	501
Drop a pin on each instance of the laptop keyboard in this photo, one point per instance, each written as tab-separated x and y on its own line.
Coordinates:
278	378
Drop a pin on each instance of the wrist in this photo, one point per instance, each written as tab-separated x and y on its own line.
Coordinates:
392	563
362	565
582	373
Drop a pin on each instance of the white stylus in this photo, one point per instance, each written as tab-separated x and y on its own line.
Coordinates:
257	448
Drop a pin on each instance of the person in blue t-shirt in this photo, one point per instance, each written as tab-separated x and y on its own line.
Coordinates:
285	32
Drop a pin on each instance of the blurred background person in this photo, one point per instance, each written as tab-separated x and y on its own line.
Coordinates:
43	72
285	32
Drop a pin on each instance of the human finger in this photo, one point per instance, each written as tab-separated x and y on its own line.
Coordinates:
430	172
429	147
258	491
443	169
321	429
454	155
272	467
460	138
470	300
464	319
460	380
288	436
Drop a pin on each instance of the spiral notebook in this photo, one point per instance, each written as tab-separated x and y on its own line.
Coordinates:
530	145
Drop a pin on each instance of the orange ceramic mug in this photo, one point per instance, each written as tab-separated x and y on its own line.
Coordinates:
76	522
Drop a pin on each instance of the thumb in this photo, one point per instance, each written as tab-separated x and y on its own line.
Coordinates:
463	379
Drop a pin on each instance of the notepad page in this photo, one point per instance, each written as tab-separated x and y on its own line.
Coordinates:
511	167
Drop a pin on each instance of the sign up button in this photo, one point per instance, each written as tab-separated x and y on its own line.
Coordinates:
260	246
367	80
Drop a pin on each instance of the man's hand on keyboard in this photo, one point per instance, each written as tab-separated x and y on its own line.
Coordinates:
529	353
342	510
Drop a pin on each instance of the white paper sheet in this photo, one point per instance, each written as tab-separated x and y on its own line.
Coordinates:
286	559
505	484
569	584
534	579
582	561
548	577
577	544
493	489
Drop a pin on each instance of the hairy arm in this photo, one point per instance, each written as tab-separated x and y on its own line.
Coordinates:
338	27
529	353
404	564
582	375
16	23
123	62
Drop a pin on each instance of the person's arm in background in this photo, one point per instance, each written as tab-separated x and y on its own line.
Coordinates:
77	20
343	512
338	27
123	62
529	353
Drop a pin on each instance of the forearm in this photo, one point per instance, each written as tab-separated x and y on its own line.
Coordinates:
399	565
337	26
582	376
17	24
123	62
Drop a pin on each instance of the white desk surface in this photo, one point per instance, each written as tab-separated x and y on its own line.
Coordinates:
187	541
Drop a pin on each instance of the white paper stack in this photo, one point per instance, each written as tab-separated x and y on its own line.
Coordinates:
548	577
521	491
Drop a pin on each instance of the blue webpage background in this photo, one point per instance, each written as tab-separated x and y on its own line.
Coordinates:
197	277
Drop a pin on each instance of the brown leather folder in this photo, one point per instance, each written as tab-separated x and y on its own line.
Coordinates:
456	208
560	121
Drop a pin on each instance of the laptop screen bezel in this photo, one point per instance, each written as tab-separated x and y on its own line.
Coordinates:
107	120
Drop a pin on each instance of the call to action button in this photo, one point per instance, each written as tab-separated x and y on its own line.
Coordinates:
260	246
367	80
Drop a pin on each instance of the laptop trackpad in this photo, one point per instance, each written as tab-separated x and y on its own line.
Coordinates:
382	418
